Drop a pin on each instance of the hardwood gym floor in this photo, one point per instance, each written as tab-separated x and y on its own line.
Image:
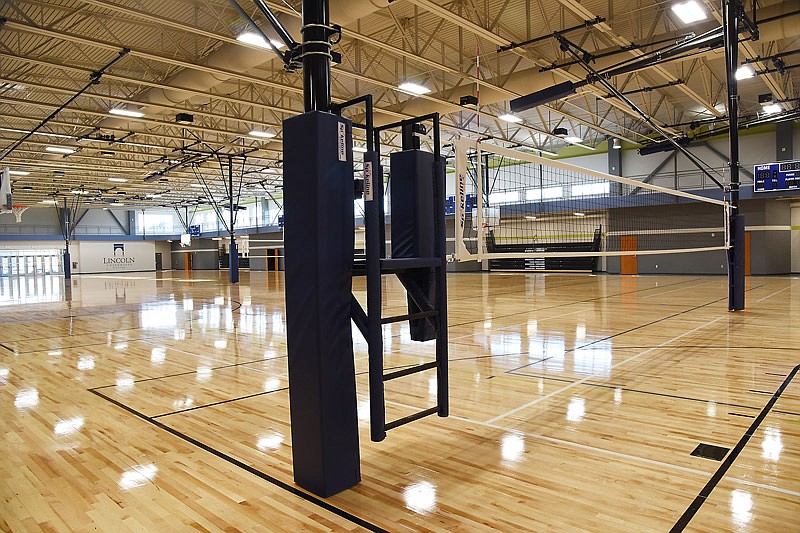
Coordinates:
158	402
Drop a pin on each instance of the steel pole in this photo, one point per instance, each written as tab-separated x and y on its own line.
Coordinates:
316	56
731	10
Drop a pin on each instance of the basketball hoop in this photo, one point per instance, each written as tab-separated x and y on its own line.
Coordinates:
18	210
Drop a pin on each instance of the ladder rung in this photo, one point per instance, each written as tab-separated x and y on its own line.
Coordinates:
409	371
393	265
410	316
411	418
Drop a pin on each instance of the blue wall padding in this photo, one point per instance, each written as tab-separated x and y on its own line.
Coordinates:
319	242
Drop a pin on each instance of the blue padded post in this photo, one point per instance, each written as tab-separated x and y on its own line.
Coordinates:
319	241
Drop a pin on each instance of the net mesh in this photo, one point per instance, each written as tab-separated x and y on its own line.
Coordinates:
516	204
18	210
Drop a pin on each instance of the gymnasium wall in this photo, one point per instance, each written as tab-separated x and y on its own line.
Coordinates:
767	222
204	252
112	257
165	249
261	245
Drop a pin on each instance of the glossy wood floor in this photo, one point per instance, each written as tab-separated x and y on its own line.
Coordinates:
148	402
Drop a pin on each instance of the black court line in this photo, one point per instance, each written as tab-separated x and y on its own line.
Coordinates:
603	339
72	347
7	348
759	391
702	497
722	346
625	389
625	332
220	402
741	414
236	462
189	372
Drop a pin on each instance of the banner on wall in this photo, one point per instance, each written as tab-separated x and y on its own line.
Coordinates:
131	256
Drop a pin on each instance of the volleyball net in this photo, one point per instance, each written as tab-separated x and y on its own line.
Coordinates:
515	204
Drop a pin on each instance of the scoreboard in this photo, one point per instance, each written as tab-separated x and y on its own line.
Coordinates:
783	176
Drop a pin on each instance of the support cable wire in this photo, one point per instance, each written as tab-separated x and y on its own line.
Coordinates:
569	47
95	79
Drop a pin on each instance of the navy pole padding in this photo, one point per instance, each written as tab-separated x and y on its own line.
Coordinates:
736	264
233	262
414	227
318	242
67	264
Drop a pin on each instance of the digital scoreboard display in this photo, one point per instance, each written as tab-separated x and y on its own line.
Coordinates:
783	176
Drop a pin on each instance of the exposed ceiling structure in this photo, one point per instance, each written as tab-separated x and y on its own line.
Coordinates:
184	58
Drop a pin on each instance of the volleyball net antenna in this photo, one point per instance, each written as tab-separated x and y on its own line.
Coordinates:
512	204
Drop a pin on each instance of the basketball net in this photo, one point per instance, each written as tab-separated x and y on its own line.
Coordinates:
18	210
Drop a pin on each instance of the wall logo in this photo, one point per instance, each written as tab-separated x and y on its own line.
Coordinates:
118	259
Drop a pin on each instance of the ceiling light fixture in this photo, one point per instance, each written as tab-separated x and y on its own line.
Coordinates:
261	134
60	150
360	149
413	88
689	11
744	72
18	173
118	180
49	202
255	39
126	112
572	139
508	117
771	109
580	214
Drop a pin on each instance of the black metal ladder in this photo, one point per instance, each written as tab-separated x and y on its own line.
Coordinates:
377	265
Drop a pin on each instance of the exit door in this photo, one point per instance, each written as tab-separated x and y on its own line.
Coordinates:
159	265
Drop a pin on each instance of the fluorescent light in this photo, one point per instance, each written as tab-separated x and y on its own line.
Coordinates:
79	191
48	202
580	214
689	11
18	173
508	117
60	150
256	39
261	134
413	88
126	112
530	218
744	72
572	139
361	149
771	109
118	180
196	185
